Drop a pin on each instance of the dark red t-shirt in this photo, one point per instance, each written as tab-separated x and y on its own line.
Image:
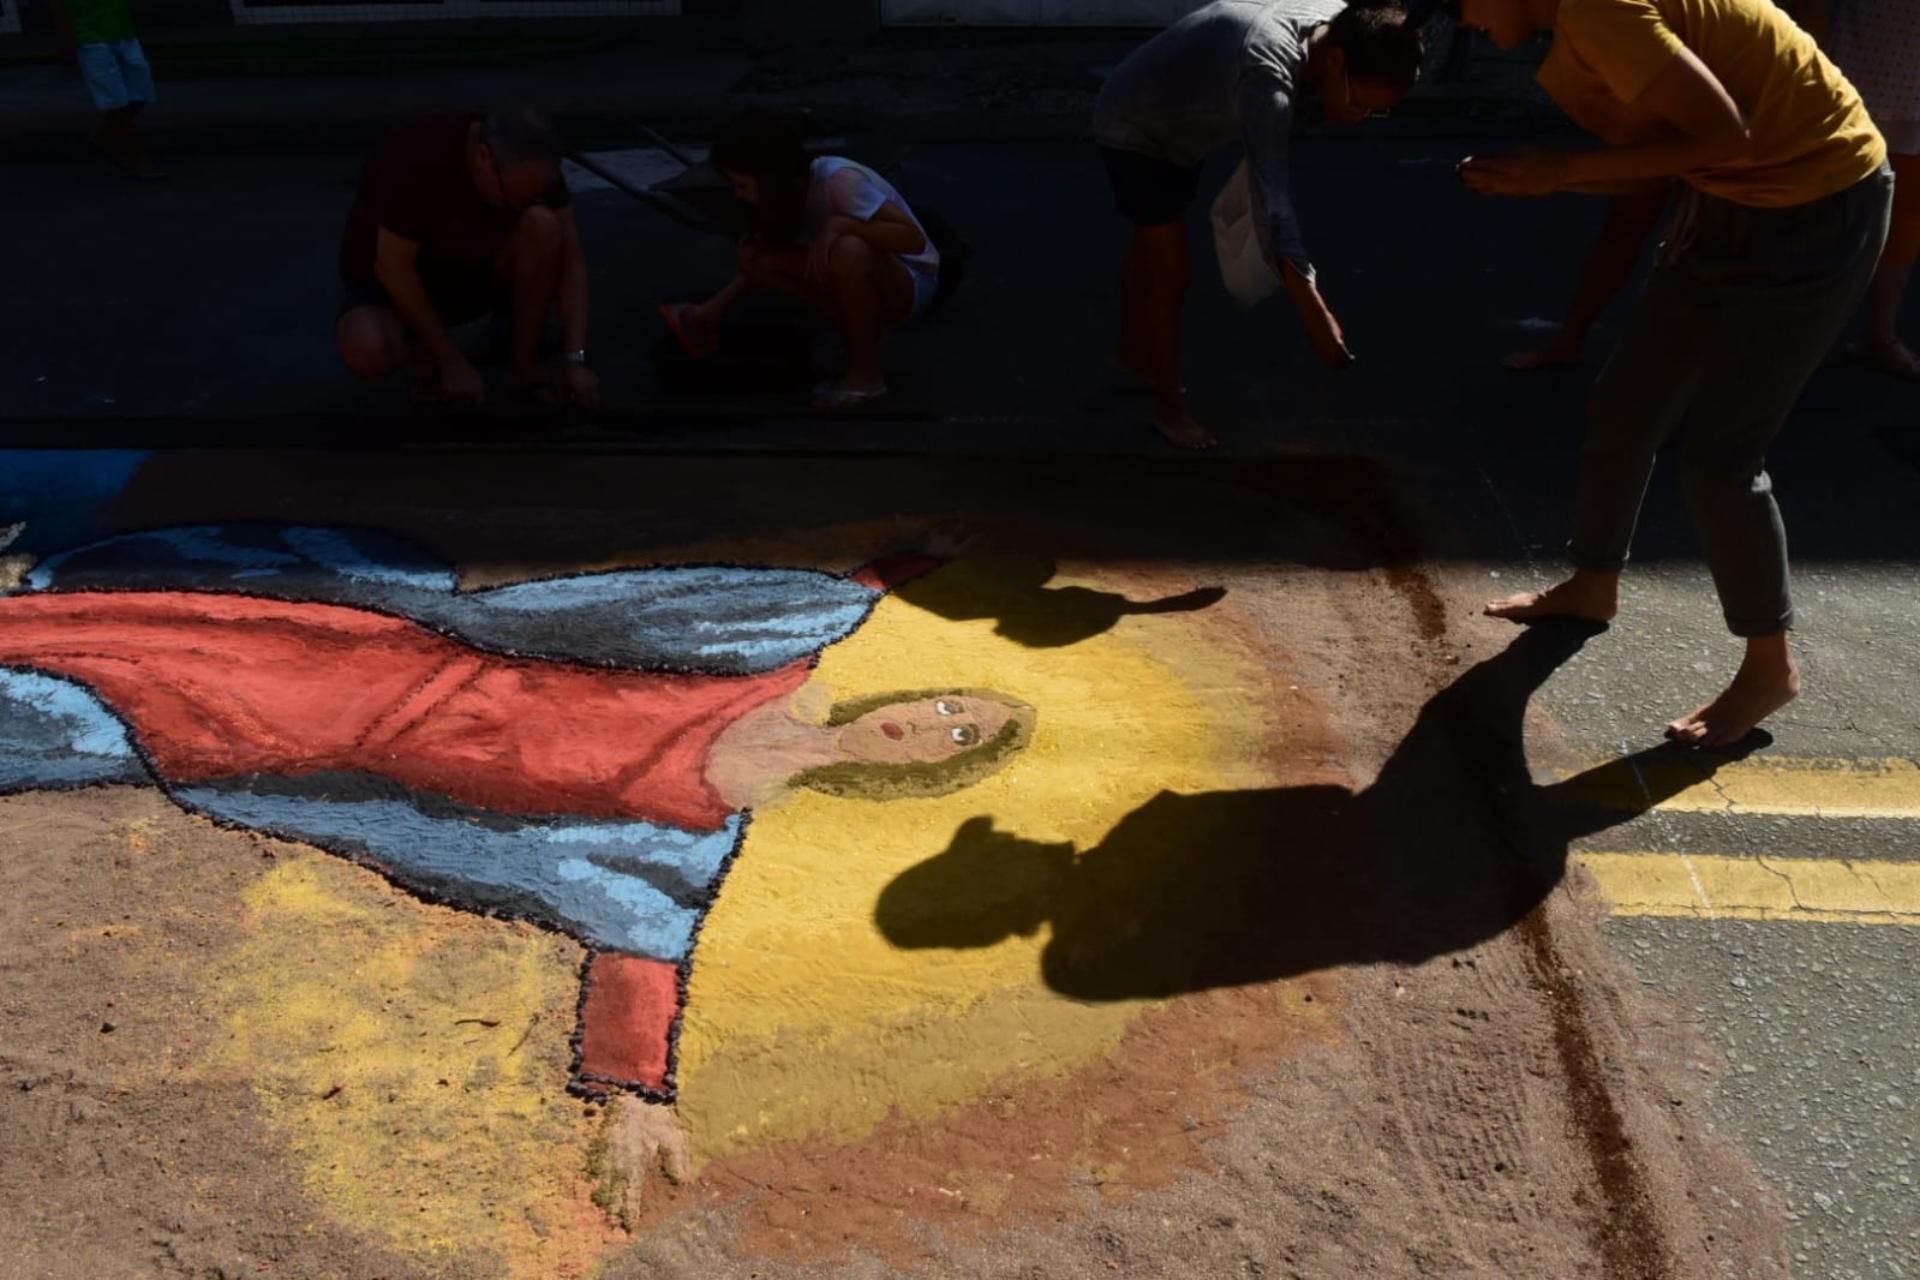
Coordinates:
417	185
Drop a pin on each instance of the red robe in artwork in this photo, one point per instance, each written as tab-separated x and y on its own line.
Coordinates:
216	686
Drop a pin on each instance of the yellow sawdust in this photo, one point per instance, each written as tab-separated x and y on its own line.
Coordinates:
360	1016
804	1019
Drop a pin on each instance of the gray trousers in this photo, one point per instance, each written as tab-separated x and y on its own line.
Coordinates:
1742	307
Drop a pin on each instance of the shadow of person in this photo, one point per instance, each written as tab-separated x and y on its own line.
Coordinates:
1013	589
1451	845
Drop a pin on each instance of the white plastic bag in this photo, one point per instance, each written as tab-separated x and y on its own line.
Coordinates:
1244	269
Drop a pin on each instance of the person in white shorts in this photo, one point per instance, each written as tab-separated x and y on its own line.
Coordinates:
827	230
98	37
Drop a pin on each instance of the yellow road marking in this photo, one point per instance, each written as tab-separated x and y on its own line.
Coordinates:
1718	887
1800	787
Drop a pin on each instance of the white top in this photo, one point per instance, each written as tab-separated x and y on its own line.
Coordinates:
1228	72
850	189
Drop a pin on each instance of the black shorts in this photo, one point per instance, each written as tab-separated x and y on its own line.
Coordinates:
1149	191
457	301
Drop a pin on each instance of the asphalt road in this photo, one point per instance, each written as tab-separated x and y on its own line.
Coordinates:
207	300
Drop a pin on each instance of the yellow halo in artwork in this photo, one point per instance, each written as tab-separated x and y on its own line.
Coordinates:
802	1019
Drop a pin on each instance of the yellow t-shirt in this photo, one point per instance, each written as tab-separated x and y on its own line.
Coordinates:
1811	133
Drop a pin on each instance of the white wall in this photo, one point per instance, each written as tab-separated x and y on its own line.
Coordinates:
1036	13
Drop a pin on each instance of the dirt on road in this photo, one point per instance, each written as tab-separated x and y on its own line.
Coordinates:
1378	1032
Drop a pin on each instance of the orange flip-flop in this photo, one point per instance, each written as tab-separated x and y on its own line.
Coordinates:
689	341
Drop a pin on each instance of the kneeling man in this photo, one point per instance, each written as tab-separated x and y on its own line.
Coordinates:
459	217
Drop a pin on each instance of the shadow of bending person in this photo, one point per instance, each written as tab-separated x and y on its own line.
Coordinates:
1012	589
1451	845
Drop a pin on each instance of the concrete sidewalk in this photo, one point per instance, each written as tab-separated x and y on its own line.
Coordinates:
680	77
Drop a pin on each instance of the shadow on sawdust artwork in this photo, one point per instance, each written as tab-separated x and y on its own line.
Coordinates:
593	754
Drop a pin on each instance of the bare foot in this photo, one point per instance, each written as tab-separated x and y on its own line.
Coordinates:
638	1142
1768	680
1179	427
1591	597
1895	358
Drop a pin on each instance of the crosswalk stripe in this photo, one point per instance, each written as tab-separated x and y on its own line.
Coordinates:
1718	886
1790	786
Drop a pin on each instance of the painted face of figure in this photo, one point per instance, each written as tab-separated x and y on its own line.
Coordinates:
1505	22
923	732
746	187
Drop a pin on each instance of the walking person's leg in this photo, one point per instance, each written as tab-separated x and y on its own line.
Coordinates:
1159	273
1639	401
1153	195
1764	352
1896	269
1728	340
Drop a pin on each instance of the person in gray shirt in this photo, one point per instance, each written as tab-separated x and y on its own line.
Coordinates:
1233	71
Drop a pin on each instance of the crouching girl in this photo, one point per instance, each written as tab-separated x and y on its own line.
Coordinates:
828	231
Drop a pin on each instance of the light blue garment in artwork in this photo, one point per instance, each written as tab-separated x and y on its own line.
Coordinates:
623	885
54	733
717	619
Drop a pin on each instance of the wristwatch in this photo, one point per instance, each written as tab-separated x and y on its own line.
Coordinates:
578	357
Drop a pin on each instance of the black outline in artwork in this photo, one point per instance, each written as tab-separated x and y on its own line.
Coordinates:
580	1083
451	633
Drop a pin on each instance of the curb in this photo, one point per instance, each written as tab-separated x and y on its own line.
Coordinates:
47	138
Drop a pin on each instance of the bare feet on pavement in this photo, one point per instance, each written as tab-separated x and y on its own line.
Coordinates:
1768	680
1589	597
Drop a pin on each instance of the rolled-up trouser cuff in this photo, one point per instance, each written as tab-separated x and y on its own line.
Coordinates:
1592	563
1750	629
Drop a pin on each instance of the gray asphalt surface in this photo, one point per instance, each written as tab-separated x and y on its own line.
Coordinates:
209	298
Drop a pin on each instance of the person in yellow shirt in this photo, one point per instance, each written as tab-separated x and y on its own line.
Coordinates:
1782	214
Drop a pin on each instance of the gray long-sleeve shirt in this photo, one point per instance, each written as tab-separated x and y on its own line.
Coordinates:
1226	72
